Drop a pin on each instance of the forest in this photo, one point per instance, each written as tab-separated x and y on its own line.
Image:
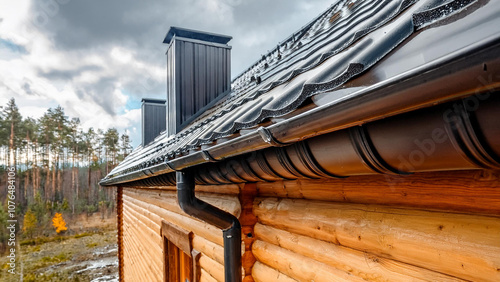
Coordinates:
58	165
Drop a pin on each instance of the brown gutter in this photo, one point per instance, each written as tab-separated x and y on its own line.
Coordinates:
468	71
458	135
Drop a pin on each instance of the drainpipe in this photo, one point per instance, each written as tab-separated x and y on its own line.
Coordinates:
229	224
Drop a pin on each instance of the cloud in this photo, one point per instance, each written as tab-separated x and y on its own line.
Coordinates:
95	58
12	46
27	88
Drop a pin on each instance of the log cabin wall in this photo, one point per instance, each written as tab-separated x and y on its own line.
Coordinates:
119	228
442	226
143	211
431	226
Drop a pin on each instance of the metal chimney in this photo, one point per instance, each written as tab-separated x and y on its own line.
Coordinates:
198	74
154	121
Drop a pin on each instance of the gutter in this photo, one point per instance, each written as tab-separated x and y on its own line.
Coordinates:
448	78
229	224
459	135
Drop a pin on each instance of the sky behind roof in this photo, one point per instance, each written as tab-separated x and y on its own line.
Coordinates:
99	58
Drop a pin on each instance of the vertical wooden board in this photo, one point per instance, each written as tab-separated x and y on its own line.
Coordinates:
119	221
166	273
186	267
247	220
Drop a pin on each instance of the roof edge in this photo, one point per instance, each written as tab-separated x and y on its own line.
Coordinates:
387	98
195	34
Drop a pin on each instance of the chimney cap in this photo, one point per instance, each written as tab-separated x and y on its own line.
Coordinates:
153	101
194	34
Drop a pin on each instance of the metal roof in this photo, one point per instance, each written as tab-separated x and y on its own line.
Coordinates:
326	62
194	34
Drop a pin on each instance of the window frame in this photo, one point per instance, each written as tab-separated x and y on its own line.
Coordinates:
177	244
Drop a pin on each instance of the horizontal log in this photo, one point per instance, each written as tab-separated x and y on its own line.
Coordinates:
143	262
460	245
134	234
143	234
151	235
297	266
138	267
215	269
263	273
198	227
168	200
206	277
475	191
210	249
151	220
139	238
130	262
219	189
361	264
133	267
151	260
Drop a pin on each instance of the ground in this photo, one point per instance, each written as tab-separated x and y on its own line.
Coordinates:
88	254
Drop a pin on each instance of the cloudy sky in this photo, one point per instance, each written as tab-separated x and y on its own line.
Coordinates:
98	58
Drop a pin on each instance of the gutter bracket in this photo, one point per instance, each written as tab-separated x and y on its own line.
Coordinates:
167	163
268	137
207	157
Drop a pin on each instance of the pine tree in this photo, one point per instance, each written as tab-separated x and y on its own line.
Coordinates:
29	223
74	144
31	133
12	119
46	140
110	141
125	146
60	123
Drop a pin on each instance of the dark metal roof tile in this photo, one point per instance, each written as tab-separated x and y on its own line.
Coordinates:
340	44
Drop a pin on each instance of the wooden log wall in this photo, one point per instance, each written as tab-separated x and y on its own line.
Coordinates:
423	227
143	211
119	225
247	221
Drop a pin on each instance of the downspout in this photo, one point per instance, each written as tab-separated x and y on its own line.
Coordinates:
229	224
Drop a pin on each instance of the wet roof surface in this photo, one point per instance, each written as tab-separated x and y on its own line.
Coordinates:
326	60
